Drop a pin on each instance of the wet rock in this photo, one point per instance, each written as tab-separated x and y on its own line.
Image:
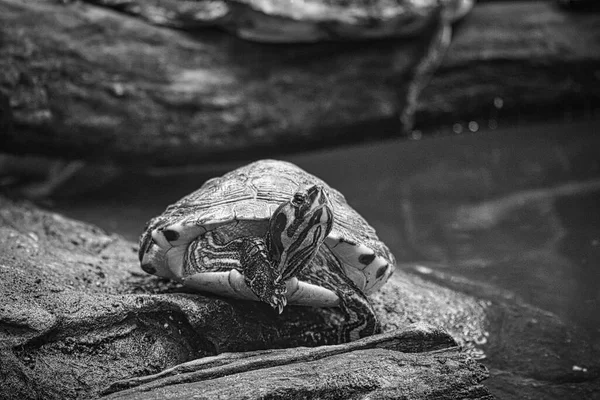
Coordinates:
78	314
87	83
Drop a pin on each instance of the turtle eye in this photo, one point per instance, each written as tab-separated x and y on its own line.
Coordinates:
298	199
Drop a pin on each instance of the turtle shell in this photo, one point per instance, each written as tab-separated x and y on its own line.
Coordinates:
316	20
248	196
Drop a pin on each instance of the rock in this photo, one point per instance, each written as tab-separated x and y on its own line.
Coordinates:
350	372
87	83
78	314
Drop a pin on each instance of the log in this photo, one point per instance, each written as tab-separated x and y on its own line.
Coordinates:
88	83
517	61
413	339
358	374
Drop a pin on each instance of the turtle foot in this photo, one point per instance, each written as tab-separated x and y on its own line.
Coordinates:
278	299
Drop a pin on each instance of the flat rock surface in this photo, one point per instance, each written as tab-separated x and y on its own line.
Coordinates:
78	314
83	82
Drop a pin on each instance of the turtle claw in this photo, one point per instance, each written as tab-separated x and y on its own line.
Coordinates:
278	299
278	303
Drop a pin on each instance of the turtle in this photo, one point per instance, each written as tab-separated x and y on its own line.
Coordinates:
271	232
294	21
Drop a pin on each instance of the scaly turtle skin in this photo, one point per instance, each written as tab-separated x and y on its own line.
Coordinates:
271	232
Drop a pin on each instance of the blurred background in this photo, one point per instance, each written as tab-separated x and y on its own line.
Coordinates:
466	133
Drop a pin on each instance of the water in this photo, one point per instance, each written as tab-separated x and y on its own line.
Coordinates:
509	215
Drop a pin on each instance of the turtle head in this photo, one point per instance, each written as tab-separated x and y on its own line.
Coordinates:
297	229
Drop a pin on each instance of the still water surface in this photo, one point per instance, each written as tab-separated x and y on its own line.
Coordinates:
512	216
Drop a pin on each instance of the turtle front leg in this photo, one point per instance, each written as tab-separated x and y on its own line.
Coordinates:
248	256
260	274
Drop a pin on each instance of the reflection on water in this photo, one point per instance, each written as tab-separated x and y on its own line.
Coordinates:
511	216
